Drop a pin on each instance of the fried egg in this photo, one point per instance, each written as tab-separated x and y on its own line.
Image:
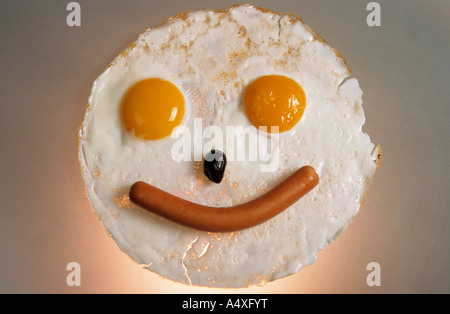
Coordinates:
233	71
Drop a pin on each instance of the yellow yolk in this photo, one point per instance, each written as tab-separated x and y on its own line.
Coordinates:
274	100
152	108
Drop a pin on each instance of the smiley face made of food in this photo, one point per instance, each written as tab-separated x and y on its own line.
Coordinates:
218	82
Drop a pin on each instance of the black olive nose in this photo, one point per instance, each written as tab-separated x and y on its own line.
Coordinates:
214	165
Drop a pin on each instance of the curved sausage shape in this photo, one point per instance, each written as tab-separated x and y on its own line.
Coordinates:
224	219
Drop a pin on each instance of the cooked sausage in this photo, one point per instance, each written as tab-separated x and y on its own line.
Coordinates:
222	219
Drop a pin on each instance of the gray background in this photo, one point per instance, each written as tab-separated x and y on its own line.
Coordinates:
47	70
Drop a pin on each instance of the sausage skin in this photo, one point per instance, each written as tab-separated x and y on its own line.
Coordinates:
225	219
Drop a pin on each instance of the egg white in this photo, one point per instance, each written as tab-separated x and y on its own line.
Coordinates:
211	56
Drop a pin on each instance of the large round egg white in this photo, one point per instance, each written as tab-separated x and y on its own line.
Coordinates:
211	56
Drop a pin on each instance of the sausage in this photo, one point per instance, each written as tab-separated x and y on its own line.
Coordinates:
224	219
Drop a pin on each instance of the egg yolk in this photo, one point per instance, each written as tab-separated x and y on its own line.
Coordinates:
274	100
152	108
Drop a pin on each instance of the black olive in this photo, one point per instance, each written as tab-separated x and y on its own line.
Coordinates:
214	165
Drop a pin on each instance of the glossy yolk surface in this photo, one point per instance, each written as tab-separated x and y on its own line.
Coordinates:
274	100
152	108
